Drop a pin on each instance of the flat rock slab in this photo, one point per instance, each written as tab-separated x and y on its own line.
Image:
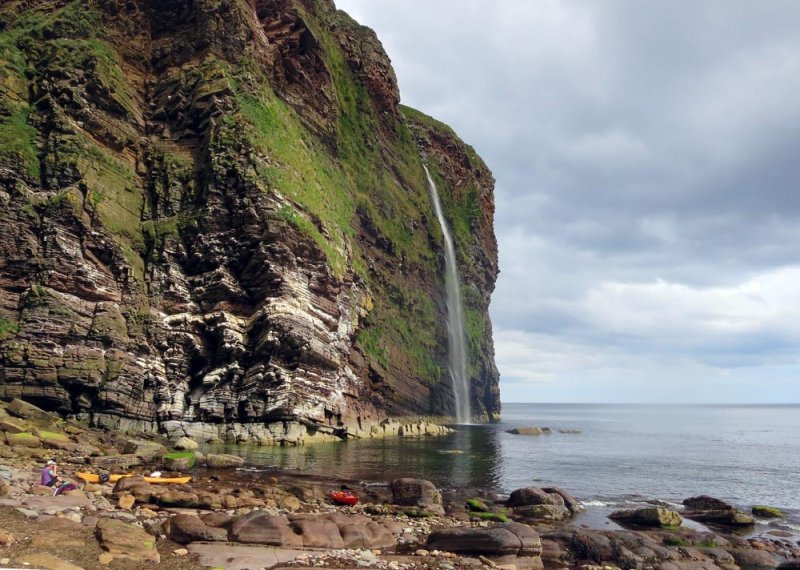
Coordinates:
508	539
47	561
23	409
59	503
241	557
649	517
125	540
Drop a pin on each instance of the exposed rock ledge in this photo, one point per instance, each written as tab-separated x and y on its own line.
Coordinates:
277	433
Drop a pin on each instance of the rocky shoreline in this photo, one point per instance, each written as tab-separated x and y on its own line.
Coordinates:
232	518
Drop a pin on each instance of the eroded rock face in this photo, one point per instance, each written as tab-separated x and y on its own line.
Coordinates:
213	215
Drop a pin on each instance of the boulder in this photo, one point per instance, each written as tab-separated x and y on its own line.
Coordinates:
417	493
186	444
570	502
706	503
650	517
184	528
179	462
23	409
527	431
126	483
216	519
508	539
728	517
223	461
23	439
125	540
767	512
143	449
55	440
259	527
175	498
533	496
543	512
126	501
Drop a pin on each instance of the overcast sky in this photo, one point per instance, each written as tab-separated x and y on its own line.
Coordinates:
647	157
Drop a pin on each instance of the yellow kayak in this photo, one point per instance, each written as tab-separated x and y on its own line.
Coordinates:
95	478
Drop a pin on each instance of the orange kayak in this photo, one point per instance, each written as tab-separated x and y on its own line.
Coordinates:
344	497
95	478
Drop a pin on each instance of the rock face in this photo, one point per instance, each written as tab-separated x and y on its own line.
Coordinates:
213	216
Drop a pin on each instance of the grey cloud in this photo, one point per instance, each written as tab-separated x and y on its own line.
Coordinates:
631	141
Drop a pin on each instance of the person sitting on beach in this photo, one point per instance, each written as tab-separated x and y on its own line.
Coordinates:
51	478
49	475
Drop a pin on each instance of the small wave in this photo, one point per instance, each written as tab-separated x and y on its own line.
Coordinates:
794	527
595	503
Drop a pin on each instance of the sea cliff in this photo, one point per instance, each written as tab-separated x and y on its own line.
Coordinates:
214	221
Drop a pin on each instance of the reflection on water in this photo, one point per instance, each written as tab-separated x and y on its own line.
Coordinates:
470	457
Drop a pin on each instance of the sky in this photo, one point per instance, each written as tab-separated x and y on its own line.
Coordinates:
647	158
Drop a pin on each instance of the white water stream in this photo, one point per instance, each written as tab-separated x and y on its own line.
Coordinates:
456	337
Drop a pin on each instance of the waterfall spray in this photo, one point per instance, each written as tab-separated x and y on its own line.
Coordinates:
456	338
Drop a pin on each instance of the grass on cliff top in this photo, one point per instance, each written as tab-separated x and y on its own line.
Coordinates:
417	116
46	40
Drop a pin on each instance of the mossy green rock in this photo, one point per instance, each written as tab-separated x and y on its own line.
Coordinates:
24	439
476	505
768	512
648	517
179	460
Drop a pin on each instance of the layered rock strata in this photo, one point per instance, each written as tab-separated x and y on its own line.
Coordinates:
213	220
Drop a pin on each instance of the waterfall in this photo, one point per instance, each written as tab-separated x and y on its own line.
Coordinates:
456	338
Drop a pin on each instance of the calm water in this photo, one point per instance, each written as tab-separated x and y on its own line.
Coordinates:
745	454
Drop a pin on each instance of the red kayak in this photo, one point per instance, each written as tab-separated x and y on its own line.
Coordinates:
344	497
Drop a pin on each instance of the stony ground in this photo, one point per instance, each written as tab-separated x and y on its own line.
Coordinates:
238	519
69	542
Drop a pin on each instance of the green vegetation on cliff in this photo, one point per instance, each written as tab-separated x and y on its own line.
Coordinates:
151	157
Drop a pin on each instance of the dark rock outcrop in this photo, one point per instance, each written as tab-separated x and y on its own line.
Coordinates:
715	511
214	223
417	493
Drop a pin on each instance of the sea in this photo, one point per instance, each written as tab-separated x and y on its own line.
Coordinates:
608	456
